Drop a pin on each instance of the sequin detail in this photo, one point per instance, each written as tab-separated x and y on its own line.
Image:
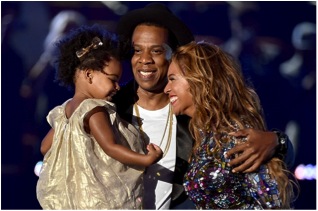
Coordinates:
210	183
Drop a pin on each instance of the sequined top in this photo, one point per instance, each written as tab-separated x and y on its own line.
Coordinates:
210	183
77	173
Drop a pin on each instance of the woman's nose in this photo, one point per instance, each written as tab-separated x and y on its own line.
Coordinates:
167	89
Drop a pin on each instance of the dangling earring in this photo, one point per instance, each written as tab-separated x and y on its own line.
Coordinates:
90	80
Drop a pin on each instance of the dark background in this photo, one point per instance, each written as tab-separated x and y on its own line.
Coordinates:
283	73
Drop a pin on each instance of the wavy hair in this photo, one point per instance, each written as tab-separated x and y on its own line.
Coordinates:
224	102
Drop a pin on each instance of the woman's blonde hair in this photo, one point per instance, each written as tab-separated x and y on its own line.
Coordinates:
222	97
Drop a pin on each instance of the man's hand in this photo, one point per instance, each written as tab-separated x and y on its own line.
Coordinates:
259	147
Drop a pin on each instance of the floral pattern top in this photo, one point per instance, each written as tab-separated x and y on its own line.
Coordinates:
211	184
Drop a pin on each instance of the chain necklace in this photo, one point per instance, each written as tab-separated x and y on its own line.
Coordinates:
168	122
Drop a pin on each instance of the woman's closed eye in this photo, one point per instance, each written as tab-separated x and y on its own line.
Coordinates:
171	78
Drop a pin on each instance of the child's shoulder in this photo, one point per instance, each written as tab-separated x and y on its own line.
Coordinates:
59	109
89	104
97	102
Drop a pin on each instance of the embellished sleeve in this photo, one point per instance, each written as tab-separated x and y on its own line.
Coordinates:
263	188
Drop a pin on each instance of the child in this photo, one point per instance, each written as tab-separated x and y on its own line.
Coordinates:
92	158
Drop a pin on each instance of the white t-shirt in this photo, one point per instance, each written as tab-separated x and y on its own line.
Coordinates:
158	178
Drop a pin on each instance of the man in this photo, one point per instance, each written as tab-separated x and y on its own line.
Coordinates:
154	33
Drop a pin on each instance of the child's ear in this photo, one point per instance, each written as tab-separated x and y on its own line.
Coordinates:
89	75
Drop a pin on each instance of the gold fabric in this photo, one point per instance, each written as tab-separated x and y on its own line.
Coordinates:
77	173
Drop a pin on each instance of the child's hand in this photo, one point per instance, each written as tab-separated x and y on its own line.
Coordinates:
154	153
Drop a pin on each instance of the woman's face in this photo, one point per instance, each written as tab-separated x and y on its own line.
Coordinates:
178	90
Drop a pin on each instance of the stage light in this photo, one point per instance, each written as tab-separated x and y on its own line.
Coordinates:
37	168
305	172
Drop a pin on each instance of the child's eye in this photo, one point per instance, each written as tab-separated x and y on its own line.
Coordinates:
112	79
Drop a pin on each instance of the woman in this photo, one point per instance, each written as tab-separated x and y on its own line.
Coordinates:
206	84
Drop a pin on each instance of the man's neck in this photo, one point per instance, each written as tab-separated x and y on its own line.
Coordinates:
152	101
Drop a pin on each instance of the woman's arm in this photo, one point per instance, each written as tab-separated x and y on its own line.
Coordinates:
259	147
100	127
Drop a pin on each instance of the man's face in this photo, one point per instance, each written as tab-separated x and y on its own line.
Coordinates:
151	56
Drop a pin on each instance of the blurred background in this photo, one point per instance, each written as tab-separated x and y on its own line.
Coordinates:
274	41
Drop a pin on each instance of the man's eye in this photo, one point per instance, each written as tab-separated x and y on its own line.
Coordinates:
137	51
157	51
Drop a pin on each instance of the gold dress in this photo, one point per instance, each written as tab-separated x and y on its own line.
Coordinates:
78	174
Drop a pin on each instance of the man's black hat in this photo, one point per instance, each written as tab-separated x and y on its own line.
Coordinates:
155	13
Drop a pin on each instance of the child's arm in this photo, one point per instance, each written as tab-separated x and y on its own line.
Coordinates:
100	127
47	142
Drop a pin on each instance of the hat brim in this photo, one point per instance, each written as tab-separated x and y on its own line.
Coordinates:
155	13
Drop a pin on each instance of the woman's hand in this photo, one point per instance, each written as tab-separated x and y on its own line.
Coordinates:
259	147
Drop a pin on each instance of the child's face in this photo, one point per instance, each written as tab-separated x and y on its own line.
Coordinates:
106	82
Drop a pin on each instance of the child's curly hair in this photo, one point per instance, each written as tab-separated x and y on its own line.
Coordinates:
95	57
